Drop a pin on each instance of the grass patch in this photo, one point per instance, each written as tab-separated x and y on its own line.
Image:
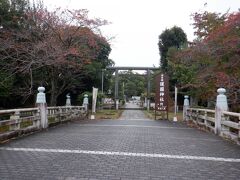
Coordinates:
151	115
108	114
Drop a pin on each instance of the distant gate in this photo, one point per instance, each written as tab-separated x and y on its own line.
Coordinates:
116	69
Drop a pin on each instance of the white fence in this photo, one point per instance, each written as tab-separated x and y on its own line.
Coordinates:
229	122
203	117
15	122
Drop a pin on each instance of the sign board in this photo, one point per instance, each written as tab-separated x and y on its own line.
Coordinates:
162	93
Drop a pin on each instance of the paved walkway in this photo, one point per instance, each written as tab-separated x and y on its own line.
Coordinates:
132	147
132	114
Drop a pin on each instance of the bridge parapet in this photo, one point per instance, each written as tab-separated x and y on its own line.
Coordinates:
65	113
220	121
230	122
16	122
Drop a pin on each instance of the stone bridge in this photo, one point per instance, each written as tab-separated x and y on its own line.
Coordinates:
132	147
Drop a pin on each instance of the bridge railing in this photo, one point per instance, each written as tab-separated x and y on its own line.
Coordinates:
15	122
203	117
230	125
65	113
18	119
220	121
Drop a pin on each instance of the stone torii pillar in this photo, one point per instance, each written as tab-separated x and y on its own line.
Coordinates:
116	89
116	69
148	89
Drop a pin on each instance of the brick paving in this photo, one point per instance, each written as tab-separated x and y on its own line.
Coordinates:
132	147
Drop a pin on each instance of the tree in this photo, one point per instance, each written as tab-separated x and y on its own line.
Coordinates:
93	72
212	62
131	84
12	12
207	22
51	49
174	37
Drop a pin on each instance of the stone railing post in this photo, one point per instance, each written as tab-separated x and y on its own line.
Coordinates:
85	102
221	105
185	106
68	100
59	114
205	118
15	117
145	102
42	105
36	122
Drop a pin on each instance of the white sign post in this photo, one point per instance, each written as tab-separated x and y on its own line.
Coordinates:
175	107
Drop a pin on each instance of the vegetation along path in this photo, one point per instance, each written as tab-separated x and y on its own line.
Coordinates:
132	147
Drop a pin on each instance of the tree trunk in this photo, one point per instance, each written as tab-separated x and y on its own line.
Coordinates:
53	97
193	101
210	103
53	100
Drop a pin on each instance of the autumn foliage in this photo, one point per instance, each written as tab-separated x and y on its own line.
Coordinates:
212	60
50	49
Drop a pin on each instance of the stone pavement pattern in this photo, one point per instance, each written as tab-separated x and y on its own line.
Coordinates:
132	147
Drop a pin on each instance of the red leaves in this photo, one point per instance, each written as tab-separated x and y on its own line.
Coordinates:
214	57
207	22
73	51
222	79
62	41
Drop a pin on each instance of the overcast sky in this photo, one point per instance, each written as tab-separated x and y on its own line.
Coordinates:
136	24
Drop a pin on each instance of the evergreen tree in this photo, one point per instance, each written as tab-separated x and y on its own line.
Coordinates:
174	37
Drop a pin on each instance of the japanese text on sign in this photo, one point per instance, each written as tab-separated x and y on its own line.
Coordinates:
161	93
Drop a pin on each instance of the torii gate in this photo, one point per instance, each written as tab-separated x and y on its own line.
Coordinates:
132	68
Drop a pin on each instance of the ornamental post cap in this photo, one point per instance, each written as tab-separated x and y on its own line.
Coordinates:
41	89
221	90
186	96
85	95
